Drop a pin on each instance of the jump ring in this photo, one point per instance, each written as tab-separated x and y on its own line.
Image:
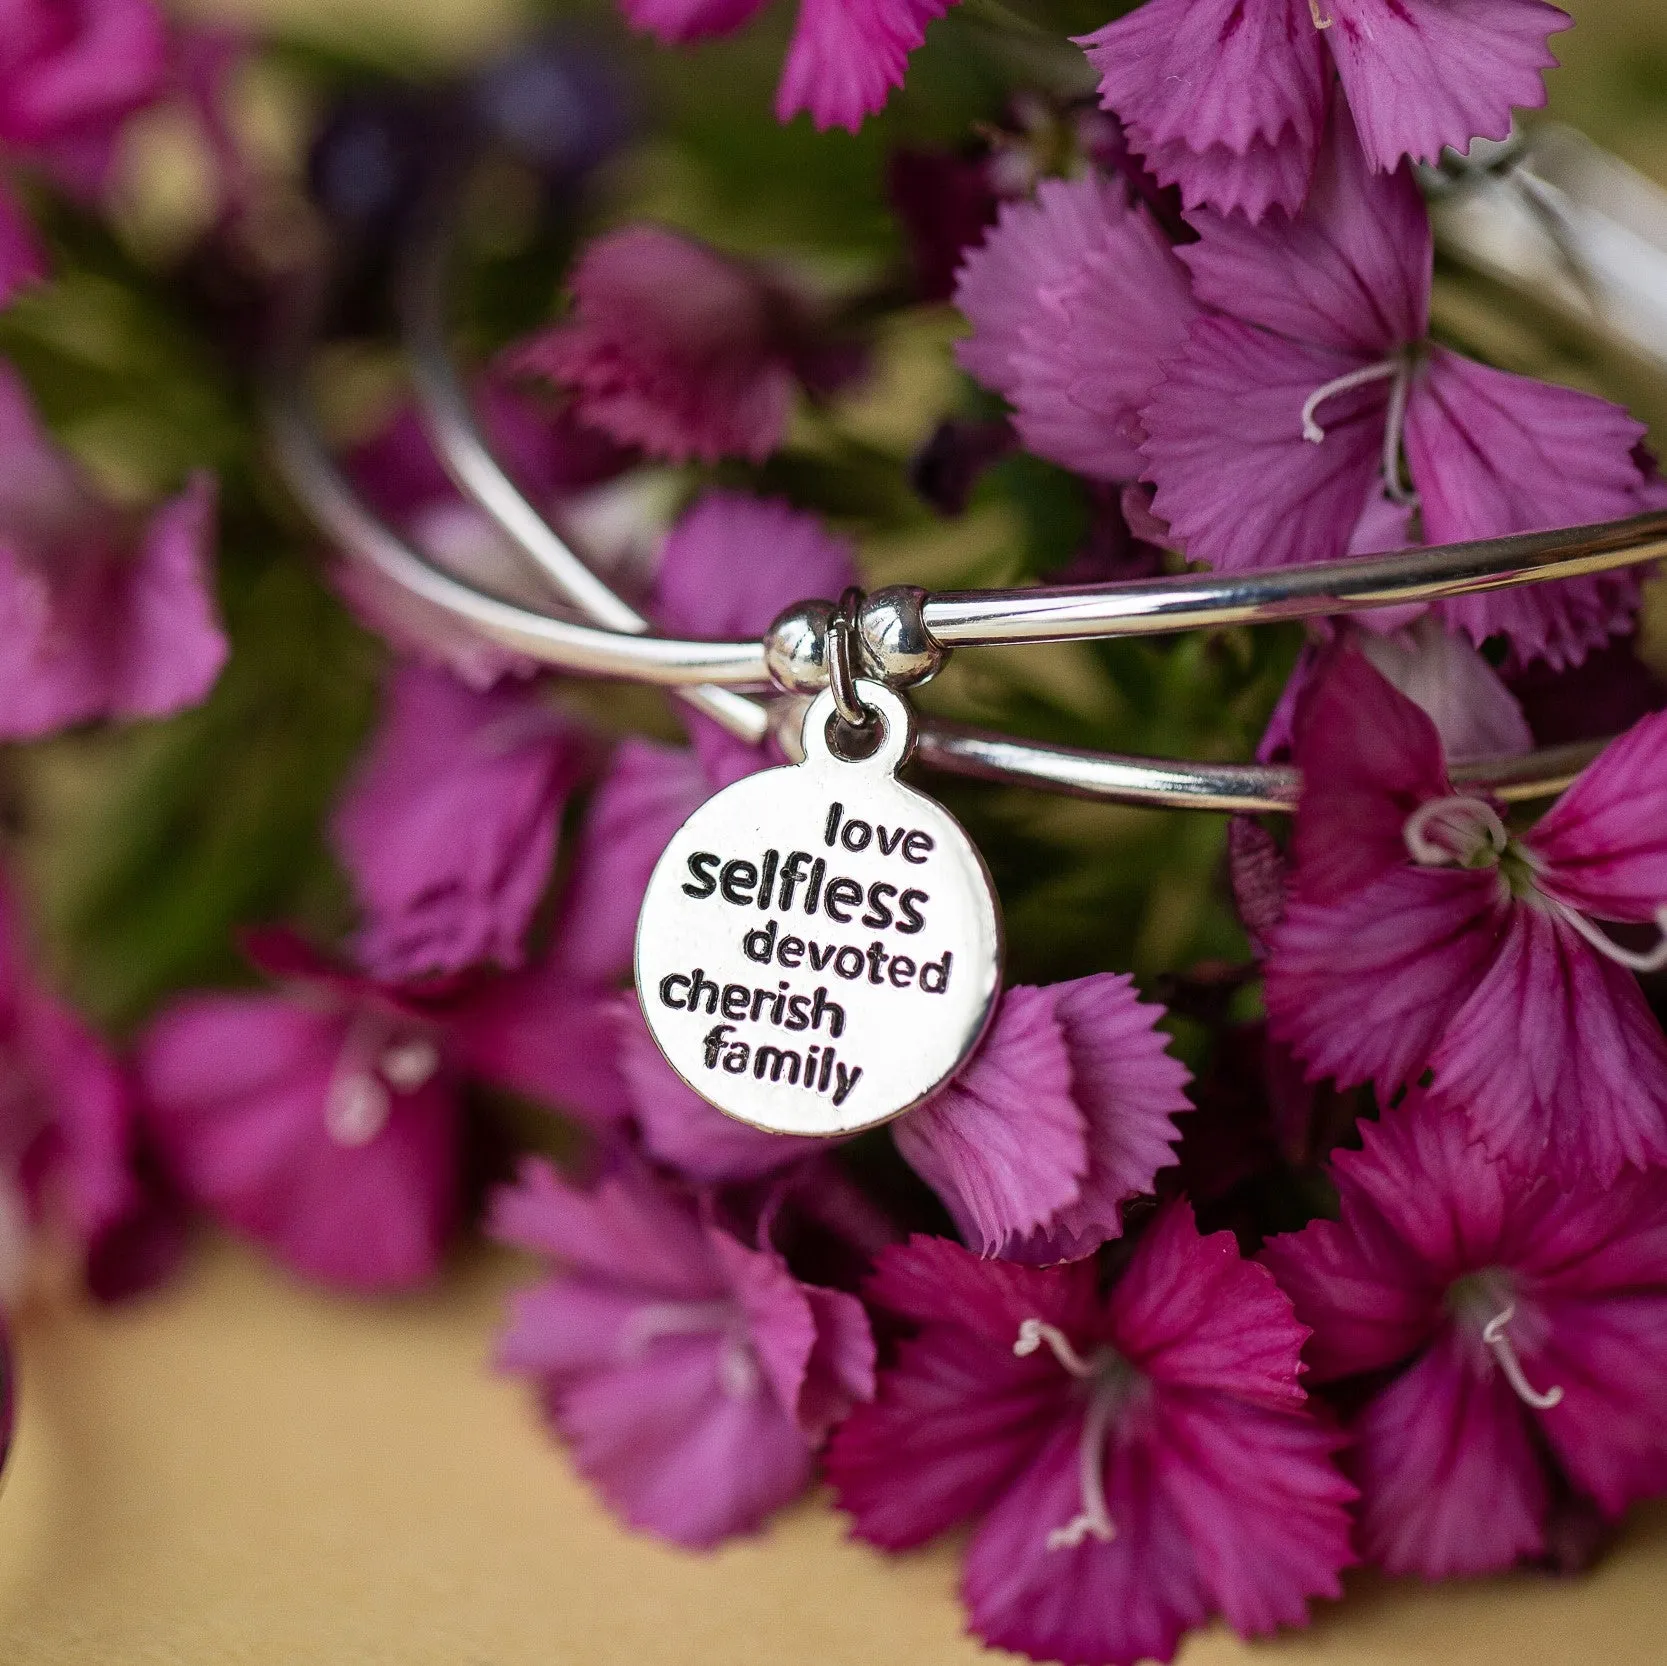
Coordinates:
841	674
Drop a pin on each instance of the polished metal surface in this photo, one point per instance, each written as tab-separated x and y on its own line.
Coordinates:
819	947
1154	607
449	421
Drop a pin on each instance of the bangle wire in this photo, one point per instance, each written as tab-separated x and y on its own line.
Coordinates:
609	638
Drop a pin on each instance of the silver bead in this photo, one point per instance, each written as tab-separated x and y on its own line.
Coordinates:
898	646
796	647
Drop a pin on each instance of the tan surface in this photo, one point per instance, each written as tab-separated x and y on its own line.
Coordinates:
242	1473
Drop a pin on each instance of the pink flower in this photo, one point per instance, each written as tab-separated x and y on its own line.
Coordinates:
691	1373
71	73
540	1034
1523	1326
845	57
1134	1463
674	347
1473	710
678	1128
1061	1117
1423	934
728	567
97	619
1284	418
1076	299
22	259
1228	101
321	1120
449	826
72	1160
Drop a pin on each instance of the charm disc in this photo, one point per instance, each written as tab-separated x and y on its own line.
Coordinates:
819	947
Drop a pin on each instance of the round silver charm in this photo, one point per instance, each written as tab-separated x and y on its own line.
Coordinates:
819	948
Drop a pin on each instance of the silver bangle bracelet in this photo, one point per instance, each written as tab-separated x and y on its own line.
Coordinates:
905	633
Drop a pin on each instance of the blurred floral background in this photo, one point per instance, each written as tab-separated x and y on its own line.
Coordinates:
145	845
297	773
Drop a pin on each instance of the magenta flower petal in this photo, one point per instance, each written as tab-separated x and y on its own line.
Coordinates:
1117	1603
671	346
1350	272
1364	989
1492	453
689	1372
1034	248
22	259
94	622
1429	74
846	56
1128	1089
132	1230
840	1371
683	1130
1473	711
648	792
1604	842
1608	1357
172	647
674	21
814	1344
1448	1478
675	1452
1253	182
566	1328
1193	77
627	1231
954	1423
1096	350
732	563
1081	347
1556	1057
1369	756
1214	1489
779	1318
74	75
1415	1204
1520	1321
1004	1144
537	1032
266	1113
1199	1317
1238	484
449	826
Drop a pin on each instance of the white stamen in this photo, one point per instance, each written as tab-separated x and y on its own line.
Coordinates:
409	1062
1399	389
1493	1334
1094	1519
738	1372
1636	960
1033	1333
356	1101
1462	818
653	1320
356	1107
1314	12
1311	430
